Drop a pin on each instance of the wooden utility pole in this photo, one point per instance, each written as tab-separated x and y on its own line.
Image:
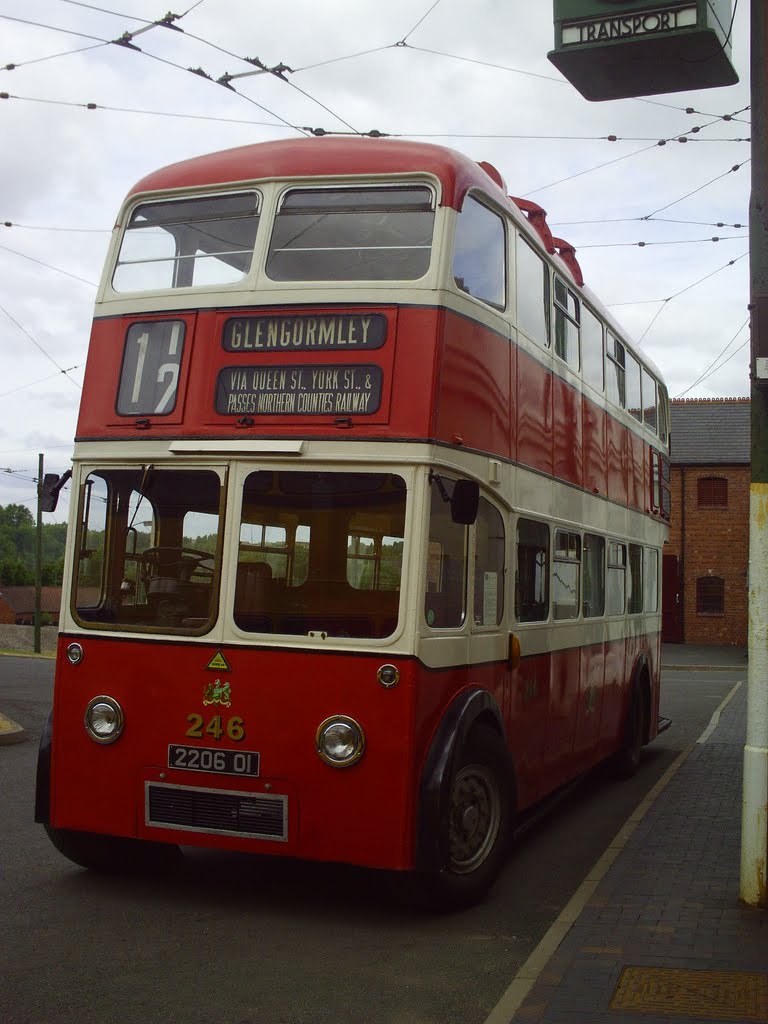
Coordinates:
754	823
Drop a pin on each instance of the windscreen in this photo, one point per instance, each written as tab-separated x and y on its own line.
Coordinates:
352	234
148	552
320	554
186	243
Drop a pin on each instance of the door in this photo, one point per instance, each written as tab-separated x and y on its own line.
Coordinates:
671	601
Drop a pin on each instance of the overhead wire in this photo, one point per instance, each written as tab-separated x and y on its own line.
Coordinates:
404	43
38	346
48	266
715	365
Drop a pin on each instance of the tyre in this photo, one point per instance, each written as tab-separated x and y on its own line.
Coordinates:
626	761
114	853
477	828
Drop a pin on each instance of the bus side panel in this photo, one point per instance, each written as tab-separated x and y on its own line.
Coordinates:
362	814
527	726
564	688
593	418
534	414
591	695
615	465
473	391
615	690
637	463
567	436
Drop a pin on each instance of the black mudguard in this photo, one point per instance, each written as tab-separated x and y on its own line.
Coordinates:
436	778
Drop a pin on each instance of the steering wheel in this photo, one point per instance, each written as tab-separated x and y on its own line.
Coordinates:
178	562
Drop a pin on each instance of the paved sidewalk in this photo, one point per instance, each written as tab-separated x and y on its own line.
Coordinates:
663	938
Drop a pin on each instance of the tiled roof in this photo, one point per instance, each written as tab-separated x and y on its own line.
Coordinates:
22	599
710	431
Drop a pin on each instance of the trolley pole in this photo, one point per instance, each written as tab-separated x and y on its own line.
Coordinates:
753	888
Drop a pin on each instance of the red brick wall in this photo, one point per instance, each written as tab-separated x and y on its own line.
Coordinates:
712	542
7	614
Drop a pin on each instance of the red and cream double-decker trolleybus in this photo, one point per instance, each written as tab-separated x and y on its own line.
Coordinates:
369	494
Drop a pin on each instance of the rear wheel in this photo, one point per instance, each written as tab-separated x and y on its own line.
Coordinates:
113	853
626	761
477	829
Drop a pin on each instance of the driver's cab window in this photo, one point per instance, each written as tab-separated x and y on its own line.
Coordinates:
148	550
489	565
446	584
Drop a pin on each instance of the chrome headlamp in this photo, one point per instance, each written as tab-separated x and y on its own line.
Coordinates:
103	719
340	741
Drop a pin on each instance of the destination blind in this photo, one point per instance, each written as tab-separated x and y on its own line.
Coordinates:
305	390
303	333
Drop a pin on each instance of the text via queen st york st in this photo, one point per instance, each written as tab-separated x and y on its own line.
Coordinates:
299	390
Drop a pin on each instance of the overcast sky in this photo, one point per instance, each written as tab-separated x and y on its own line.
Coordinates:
474	76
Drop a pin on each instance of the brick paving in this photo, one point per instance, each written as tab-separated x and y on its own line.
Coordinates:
669	905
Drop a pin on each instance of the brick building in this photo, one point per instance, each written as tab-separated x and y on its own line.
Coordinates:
707	557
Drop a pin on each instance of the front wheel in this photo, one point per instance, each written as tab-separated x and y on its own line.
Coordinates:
114	853
477	828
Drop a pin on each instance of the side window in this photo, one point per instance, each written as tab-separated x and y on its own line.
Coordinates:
489	565
446	588
710	595
655	482
532	577
532	291
614	371
566	568
650	401
712	492
651	580
479	258
634	399
374	562
615	580
591	349
593	603
566	324
663	414
635	581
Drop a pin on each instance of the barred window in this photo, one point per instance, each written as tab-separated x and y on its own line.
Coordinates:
710	595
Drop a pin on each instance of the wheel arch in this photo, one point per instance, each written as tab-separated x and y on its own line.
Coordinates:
468	709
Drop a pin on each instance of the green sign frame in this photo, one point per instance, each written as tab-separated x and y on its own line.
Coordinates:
614	49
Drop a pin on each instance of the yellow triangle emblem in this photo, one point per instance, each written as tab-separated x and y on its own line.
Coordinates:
219	662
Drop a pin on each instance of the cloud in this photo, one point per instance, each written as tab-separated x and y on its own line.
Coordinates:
65	166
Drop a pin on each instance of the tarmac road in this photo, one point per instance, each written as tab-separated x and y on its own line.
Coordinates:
238	940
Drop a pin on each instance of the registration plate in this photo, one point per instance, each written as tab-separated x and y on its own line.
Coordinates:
210	759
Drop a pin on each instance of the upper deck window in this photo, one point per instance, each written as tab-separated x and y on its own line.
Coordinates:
479	257
352	234
184	243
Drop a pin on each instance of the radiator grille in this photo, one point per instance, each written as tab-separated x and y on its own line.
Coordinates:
259	815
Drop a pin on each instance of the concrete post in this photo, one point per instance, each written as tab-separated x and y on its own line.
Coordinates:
753	888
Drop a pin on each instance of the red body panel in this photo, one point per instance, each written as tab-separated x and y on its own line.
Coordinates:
454	385
365	814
